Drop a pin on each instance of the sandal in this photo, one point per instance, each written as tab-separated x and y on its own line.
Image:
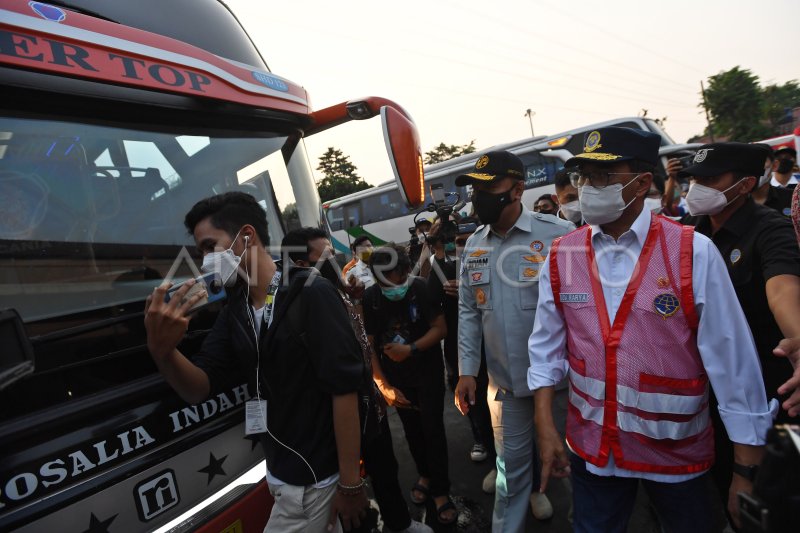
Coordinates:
447	506
421	489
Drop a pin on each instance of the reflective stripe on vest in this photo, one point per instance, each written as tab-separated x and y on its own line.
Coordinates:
652	402
654	429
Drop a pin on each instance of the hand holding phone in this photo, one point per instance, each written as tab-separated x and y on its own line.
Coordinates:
210	283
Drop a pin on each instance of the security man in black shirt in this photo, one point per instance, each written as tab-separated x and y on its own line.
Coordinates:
765	193
761	253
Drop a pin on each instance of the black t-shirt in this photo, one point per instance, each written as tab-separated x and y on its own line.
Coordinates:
780	199
447	304
404	321
757	243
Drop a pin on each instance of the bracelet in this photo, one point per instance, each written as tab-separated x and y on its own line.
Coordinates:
350	490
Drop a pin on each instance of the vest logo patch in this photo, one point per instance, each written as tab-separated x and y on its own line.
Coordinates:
478	253
666	304
573	297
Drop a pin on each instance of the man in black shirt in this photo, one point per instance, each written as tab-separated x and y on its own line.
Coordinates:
311	431
443	289
761	253
777	198
406	327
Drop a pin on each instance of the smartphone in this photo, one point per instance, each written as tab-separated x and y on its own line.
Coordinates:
212	283
437	193
467	228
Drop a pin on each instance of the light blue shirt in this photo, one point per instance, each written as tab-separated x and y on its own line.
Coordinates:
498	291
723	337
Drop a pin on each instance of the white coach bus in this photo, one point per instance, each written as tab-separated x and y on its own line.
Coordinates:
381	213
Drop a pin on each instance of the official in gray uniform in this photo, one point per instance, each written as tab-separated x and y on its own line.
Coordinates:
498	292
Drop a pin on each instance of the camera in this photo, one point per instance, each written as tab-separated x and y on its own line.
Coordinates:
211	283
446	212
774	506
687	160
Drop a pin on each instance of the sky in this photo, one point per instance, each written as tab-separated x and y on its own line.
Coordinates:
470	69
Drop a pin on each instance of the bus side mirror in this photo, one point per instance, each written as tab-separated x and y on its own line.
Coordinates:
402	143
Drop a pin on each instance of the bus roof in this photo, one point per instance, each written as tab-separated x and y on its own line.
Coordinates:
60	41
540	142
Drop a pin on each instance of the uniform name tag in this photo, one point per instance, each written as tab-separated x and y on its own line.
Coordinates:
255	420
573	297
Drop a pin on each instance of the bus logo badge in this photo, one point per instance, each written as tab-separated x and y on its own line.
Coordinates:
156	495
48	12
592	142
271	81
482	162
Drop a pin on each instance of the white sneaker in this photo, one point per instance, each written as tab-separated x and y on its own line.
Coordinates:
478	452
540	506
416	527
489	482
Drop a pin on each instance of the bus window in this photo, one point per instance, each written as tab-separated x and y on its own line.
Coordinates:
383	206
539	170
336	219
353	216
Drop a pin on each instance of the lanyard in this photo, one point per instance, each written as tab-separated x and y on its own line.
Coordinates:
269	302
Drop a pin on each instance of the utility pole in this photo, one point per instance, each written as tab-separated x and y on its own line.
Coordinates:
705	108
529	114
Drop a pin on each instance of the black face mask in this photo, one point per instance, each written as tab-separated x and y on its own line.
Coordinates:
330	272
785	166
489	206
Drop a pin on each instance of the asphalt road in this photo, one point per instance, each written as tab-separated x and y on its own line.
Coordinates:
475	507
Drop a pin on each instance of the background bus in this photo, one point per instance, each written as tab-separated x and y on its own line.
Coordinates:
380	212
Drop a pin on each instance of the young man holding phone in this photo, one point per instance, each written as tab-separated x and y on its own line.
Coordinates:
311	437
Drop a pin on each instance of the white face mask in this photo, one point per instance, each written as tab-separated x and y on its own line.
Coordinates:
601	206
572	211
702	200
224	263
765	177
653	204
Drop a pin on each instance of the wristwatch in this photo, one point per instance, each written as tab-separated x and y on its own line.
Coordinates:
748	472
414	349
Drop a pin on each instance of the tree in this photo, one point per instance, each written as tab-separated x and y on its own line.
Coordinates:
291	217
735	102
778	102
340	176
443	152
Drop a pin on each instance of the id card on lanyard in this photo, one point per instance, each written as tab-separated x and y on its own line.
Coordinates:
256	410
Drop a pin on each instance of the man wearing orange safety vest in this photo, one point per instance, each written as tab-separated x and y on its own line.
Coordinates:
640	314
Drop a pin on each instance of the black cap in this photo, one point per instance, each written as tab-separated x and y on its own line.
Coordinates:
718	158
786	149
493	166
614	145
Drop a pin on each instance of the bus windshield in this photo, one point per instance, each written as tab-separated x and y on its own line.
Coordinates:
92	216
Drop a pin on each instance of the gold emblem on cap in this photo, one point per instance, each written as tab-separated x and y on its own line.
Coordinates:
482	162
592	142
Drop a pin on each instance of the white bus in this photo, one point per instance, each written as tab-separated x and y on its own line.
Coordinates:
381	213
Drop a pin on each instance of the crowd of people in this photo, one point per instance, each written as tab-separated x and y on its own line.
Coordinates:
665	308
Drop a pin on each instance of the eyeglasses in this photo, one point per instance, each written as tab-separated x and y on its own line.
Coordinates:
596	179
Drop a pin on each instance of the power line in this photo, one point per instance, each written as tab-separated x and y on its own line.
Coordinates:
637	44
505	23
